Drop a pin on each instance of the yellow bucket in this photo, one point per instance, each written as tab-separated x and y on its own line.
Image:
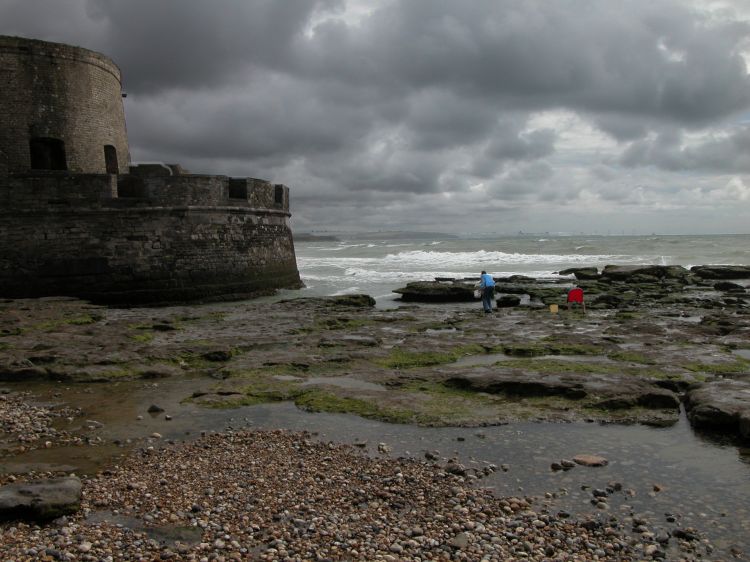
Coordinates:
553	308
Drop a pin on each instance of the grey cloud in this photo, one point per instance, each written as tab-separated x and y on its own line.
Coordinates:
723	154
597	56
510	142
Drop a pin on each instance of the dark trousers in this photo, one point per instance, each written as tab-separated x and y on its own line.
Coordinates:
487	294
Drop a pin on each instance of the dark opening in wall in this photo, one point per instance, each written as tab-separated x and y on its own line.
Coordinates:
110	159
237	189
278	195
47	154
130	186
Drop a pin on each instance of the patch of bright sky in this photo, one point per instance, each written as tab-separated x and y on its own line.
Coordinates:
727	11
574	133
351	12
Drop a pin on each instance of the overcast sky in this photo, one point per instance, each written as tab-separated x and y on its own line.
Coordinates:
455	116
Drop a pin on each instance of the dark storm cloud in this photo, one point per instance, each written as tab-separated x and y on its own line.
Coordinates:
633	57
178	44
424	106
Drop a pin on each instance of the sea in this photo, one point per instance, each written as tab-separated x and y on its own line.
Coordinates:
378	263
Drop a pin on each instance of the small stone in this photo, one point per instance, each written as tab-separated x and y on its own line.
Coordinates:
590	460
461	540
154	409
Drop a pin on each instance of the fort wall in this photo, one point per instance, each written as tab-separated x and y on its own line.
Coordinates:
181	238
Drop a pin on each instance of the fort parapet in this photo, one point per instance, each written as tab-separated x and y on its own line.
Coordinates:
76	220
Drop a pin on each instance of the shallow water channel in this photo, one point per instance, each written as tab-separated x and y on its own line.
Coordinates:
703	482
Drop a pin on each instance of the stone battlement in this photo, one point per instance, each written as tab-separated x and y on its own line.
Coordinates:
55	191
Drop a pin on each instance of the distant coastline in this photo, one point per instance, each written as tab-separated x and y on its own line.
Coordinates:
307	237
382	235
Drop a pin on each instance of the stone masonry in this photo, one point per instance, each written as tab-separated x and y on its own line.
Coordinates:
138	234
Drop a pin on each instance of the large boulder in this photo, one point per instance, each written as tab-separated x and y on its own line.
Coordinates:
721	405
434	291
581	273
722	271
40	500
643	272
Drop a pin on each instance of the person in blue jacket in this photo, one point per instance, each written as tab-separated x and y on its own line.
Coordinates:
487	286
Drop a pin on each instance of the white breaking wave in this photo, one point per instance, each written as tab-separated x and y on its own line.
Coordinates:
419	257
438	262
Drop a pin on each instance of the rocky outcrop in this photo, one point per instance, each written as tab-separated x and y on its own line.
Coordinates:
353	300
722	271
508	301
729	286
40	500
358	300
721	405
581	273
644	272
434	291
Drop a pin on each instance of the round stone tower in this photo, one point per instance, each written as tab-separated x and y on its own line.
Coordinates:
62	109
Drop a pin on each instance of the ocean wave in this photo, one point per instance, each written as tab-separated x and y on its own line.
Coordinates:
381	276
434	261
347	291
500	258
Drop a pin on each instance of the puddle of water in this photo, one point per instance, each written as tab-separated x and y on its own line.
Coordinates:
344	382
705	484
441	331
288	378
164	534
691	319
492	358
744	353
475	360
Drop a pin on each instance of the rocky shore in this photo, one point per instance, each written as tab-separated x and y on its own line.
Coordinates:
655	339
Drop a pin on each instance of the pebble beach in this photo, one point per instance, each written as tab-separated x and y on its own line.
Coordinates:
277	495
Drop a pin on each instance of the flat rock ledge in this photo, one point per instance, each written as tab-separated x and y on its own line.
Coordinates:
40	500
603	391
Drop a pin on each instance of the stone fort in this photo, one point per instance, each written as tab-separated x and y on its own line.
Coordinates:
77	219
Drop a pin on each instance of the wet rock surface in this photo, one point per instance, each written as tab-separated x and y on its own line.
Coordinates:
437	291
631	358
